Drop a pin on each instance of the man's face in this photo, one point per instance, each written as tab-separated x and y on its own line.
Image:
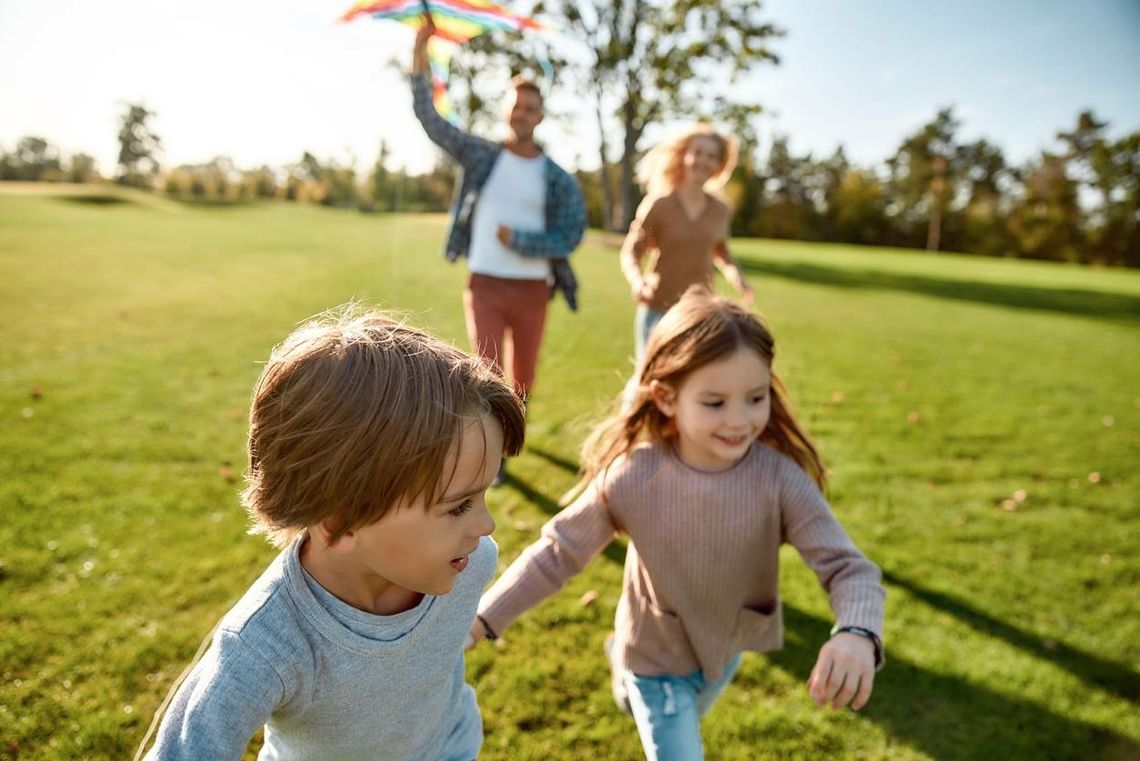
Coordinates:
524	113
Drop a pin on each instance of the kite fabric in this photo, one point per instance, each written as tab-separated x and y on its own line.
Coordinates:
456	21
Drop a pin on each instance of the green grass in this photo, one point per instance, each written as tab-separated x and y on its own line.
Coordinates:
937	387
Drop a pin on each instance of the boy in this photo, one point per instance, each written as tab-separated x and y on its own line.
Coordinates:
371	445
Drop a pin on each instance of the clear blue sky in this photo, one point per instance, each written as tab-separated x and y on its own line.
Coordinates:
262	81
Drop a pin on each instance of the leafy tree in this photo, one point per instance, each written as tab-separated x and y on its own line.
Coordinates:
654	60
858	208
81	168
34	160
1110	170
986	184
381	182
923	176
138	148
789	185
1046	221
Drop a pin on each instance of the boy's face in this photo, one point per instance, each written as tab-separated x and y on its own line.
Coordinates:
423	548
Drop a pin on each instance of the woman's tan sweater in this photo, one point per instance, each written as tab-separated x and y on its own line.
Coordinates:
701	579
680	247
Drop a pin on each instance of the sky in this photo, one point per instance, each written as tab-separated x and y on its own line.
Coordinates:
263	81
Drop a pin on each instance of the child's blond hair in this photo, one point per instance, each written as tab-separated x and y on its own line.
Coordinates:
356	414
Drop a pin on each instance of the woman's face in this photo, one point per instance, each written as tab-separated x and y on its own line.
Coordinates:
702	159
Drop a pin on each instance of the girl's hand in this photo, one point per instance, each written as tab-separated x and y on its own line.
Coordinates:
844	673
477	634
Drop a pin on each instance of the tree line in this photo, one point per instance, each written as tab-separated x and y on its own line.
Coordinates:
1079	202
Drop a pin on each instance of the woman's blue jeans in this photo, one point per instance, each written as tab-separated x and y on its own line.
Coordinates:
643	321
668	711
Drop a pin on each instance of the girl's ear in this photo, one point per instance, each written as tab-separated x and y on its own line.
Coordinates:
664	397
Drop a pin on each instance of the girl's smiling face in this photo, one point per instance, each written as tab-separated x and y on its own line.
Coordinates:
718	409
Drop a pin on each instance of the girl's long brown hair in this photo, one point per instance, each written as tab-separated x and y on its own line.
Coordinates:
699	329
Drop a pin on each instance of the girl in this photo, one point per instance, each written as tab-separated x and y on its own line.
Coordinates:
707	472
682	224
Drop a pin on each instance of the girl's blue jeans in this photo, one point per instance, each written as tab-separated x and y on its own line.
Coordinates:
668	711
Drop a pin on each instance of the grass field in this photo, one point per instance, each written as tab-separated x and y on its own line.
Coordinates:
981	418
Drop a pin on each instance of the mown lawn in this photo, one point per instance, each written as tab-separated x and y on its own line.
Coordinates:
981	418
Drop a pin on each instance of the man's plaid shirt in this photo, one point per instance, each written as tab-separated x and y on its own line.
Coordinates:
565	211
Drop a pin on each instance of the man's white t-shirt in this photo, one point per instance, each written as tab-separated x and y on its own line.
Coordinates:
515	196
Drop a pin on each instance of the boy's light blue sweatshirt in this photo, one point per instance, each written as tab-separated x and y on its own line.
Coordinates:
329	681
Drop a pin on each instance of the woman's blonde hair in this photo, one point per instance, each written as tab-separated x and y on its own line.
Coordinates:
355	414
698	330
663	167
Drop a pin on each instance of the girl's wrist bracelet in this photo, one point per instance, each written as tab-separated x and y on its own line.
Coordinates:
860	631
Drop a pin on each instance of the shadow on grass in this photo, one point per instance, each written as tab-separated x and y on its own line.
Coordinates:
1105	306
95	199
615	551
567	465
948	717
1118	678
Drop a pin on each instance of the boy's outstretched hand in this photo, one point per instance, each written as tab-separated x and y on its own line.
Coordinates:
844	673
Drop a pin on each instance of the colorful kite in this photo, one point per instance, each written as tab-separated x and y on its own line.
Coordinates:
455	20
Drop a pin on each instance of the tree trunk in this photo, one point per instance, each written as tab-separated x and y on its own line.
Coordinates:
604	172
937	187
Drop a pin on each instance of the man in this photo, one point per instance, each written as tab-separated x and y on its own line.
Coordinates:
516	217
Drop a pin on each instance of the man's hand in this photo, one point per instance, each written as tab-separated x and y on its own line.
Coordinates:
844	673
503	233
419	52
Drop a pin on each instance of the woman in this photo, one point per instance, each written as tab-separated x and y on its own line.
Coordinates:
682	225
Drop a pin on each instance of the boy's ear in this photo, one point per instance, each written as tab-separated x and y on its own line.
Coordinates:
664	397
325	529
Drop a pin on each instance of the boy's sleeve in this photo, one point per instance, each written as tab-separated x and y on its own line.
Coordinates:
226	698
569	541
851	580
565	219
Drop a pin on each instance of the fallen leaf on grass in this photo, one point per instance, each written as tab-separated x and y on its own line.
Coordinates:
1094	477
588	598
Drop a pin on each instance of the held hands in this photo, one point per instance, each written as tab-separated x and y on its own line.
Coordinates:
844	673
477	634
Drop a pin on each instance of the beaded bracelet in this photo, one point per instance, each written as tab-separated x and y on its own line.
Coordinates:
859	630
